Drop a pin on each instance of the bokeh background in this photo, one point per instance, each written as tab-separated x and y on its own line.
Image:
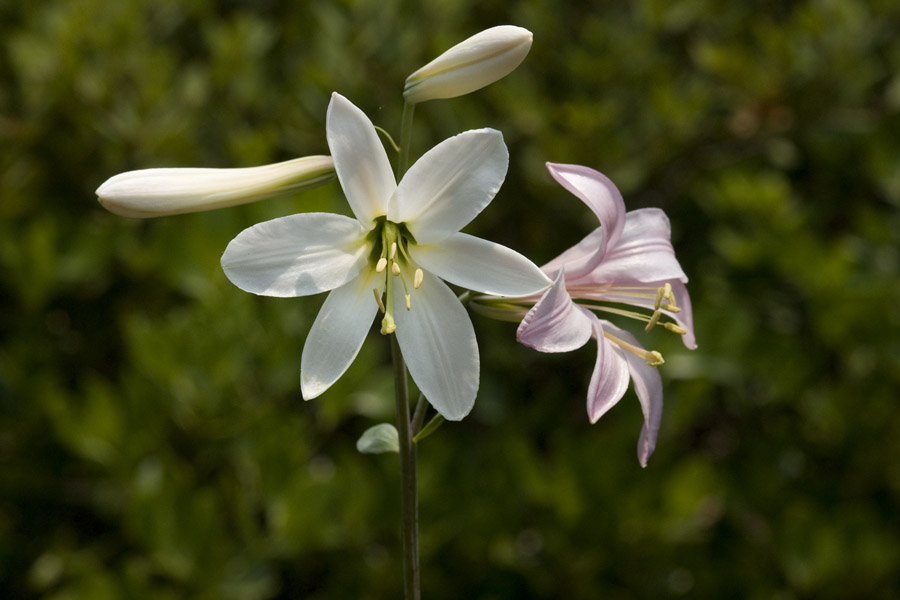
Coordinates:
153	441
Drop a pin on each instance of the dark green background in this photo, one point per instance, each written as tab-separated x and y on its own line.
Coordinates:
153	441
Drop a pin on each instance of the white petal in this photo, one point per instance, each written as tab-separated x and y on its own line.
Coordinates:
648	386
555	323
337	334
361	163
610	377
480	265
438	344
298	255
450	184
160	192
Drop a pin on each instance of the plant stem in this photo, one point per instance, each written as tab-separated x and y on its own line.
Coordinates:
405	139
409	502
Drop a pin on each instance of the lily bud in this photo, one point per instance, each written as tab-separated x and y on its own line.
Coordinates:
470	65
161	192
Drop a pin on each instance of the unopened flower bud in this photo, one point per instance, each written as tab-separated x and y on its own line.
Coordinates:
161	192
470	65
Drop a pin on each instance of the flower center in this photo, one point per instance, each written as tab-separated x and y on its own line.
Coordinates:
390	255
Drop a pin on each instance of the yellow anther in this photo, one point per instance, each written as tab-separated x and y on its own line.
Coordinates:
653	320
380	265
669	296
417	278
387	325
407	301
378	299
651	357
660	293
676	328
393	250
395	269
655	359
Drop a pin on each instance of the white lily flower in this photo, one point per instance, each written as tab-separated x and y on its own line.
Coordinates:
470	65
161	192
404	240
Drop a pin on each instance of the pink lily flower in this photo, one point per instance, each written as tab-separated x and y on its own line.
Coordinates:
628	260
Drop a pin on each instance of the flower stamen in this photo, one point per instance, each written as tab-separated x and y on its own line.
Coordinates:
377	293
675	328
651	357
664	293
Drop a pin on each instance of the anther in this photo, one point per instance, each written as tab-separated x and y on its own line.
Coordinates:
651	357
407	301
395	269
393	250
660	294
676	328
380	265
417	278
670	297
378	300
653	320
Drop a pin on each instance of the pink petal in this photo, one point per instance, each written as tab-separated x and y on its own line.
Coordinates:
603	198
648	386
642	253
610	377
577	254
685	318
555	323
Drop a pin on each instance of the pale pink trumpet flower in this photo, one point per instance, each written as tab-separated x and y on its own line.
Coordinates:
628	260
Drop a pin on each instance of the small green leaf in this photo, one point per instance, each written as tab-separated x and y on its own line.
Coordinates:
429	428
378	439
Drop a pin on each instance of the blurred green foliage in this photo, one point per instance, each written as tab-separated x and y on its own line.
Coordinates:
153	442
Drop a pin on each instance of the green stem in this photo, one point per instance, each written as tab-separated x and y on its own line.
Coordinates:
405	139
409	503
419	414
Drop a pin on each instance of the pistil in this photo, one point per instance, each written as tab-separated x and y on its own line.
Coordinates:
394	262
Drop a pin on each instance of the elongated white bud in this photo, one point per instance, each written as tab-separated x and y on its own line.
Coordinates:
160	192
470	65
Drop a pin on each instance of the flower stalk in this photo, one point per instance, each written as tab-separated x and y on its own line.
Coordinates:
409	491
409	499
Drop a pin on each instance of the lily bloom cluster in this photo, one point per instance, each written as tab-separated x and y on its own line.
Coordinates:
627	260
404	242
